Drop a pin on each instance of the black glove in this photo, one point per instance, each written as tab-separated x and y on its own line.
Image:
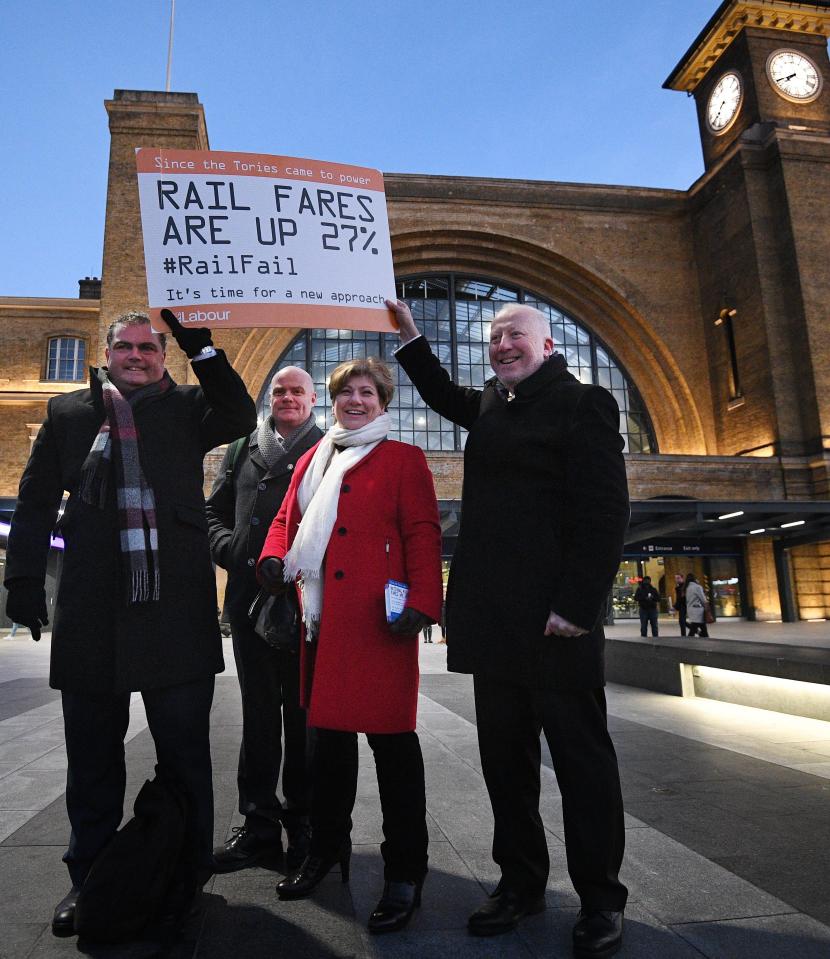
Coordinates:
410	622
270	574
26	604
192	339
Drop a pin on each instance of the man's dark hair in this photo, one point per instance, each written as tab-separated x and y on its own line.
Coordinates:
133	318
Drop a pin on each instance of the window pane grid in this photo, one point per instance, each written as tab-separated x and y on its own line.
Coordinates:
474	301
66	359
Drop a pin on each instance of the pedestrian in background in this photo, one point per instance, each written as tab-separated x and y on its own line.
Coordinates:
696	607
680	601
648	599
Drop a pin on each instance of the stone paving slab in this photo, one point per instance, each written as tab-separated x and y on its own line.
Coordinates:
682	903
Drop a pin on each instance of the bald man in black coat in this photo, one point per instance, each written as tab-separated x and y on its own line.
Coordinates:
544	512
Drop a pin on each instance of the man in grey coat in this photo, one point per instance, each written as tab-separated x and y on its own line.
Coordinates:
136	602
245	499
544	512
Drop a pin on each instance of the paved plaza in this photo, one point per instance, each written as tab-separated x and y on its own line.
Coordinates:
728	831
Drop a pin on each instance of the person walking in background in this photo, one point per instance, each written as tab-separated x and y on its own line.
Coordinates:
680	601
249	490
648	599
428	633
696	607
136	604
359	515
544	495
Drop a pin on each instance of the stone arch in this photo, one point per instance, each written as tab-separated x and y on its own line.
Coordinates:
581	293
588	298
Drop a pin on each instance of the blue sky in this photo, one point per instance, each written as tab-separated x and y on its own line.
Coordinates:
538	89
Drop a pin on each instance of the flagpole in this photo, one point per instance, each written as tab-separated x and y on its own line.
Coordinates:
170	43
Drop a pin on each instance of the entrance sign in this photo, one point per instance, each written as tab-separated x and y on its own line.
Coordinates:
243	240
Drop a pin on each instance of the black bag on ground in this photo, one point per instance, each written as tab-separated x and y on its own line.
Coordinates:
139	876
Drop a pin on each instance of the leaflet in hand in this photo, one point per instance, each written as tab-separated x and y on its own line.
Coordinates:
395	594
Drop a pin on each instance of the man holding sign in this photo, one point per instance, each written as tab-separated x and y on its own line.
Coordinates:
544	489
136	605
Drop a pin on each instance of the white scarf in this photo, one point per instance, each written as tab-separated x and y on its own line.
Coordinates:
318	496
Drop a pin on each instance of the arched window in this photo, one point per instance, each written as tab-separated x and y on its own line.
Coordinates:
454	314
66	359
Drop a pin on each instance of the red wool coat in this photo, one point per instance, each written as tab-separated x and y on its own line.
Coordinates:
364	678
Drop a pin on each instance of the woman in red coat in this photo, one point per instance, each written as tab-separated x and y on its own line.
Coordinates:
361	511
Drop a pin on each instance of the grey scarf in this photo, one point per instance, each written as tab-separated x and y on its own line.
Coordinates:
273	446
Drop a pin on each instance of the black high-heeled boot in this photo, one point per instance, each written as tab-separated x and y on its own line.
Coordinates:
313	871
398	902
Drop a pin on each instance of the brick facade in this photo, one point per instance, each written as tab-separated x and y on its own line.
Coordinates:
649	271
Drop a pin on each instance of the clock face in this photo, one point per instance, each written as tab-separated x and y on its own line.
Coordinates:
794	76
724	103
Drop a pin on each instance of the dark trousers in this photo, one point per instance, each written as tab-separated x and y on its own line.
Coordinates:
695	627
510	719
400	772
269	680
95	726
681	618
648	616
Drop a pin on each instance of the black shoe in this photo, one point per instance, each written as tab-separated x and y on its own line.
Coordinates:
63	920
298	835
597	934
502	912
398	902
245	849
312	872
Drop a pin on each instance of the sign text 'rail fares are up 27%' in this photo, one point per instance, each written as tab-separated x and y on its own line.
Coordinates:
242	240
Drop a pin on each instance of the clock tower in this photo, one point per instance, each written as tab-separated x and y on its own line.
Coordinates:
757	66
760	216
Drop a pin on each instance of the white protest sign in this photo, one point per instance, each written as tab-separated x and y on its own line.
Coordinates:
242	240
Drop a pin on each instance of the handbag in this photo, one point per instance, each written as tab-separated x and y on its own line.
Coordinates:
708	615
276	619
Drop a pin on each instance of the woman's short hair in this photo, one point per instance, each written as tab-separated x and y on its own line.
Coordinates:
377	371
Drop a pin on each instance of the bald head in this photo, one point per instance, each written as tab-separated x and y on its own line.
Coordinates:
520	342
292	399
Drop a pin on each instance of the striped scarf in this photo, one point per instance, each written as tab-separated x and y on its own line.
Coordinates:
117	441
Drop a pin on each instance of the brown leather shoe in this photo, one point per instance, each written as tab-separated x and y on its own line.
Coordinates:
502	912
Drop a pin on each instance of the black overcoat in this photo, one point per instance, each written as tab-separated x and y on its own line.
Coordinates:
244	501
544	512
100	643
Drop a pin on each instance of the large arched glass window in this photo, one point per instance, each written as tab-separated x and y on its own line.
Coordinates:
454	313
66	359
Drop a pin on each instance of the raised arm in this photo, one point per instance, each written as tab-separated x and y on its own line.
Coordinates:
456	403
228	411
